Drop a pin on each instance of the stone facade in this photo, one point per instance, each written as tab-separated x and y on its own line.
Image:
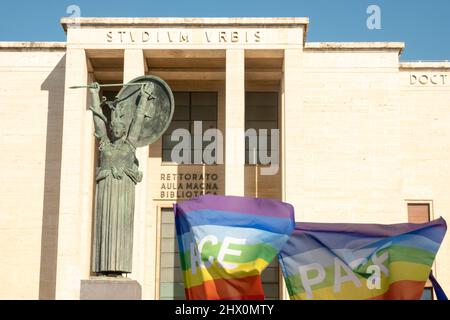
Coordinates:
362	134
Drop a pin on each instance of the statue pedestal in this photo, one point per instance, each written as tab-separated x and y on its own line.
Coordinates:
105	288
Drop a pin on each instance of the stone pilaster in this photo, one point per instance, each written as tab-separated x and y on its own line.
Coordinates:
235	122
291	132
134	66
73	179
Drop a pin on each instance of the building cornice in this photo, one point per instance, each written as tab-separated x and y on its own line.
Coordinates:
185	22
33	45
428	65
172	22
376	46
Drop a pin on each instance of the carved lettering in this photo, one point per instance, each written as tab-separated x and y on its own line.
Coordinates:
109	36
222	36
184	37
433	79
145	36
257	36
234	36
208	38
169	36
121	33
423	79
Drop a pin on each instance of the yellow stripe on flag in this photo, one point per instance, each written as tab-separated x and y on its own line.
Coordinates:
218	272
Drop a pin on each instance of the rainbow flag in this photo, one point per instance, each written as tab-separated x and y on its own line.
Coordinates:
225	242
360	261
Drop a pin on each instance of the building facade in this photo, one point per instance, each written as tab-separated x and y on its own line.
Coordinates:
363	138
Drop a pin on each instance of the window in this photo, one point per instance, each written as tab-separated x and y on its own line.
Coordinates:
261	112
270	281
191	107
171	283
418	212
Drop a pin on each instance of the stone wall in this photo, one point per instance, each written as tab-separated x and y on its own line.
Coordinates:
372	135
31	110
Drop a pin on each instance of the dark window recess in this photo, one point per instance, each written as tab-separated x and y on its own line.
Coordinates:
261	112
190	107
418	212
171	283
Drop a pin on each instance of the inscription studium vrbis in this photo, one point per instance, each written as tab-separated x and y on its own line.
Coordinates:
183	36
188	185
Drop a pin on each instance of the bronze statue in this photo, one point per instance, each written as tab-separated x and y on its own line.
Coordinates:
139	115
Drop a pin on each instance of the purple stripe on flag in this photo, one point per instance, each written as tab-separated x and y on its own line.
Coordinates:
372	230
245	205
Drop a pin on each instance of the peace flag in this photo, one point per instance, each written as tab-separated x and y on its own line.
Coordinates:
225	242
360	261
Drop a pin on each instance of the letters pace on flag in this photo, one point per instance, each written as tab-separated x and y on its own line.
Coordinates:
225	242
360	261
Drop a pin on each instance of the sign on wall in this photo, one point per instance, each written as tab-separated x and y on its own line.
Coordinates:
188	185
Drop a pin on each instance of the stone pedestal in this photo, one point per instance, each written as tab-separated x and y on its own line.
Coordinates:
103	288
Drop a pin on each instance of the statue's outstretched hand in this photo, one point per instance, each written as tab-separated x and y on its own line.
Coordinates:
94	88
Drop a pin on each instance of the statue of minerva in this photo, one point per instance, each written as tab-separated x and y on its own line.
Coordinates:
138	116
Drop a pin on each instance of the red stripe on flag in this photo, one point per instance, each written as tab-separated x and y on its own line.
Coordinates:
248	288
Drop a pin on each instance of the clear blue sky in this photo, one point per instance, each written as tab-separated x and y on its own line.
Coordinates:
423	25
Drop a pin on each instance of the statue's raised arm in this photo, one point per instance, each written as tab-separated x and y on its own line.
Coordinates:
97	113
145	108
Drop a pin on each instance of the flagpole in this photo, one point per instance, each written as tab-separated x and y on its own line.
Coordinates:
256	173
107	85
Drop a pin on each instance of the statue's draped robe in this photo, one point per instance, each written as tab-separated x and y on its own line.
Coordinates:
116	178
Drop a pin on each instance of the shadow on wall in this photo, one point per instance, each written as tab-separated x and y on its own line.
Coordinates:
54	84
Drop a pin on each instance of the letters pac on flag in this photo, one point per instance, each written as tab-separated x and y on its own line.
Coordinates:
225	242
360	261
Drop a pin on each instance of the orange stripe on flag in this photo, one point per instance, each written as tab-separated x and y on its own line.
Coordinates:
403	290
228	289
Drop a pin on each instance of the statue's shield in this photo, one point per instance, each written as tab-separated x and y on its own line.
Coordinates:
155	126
